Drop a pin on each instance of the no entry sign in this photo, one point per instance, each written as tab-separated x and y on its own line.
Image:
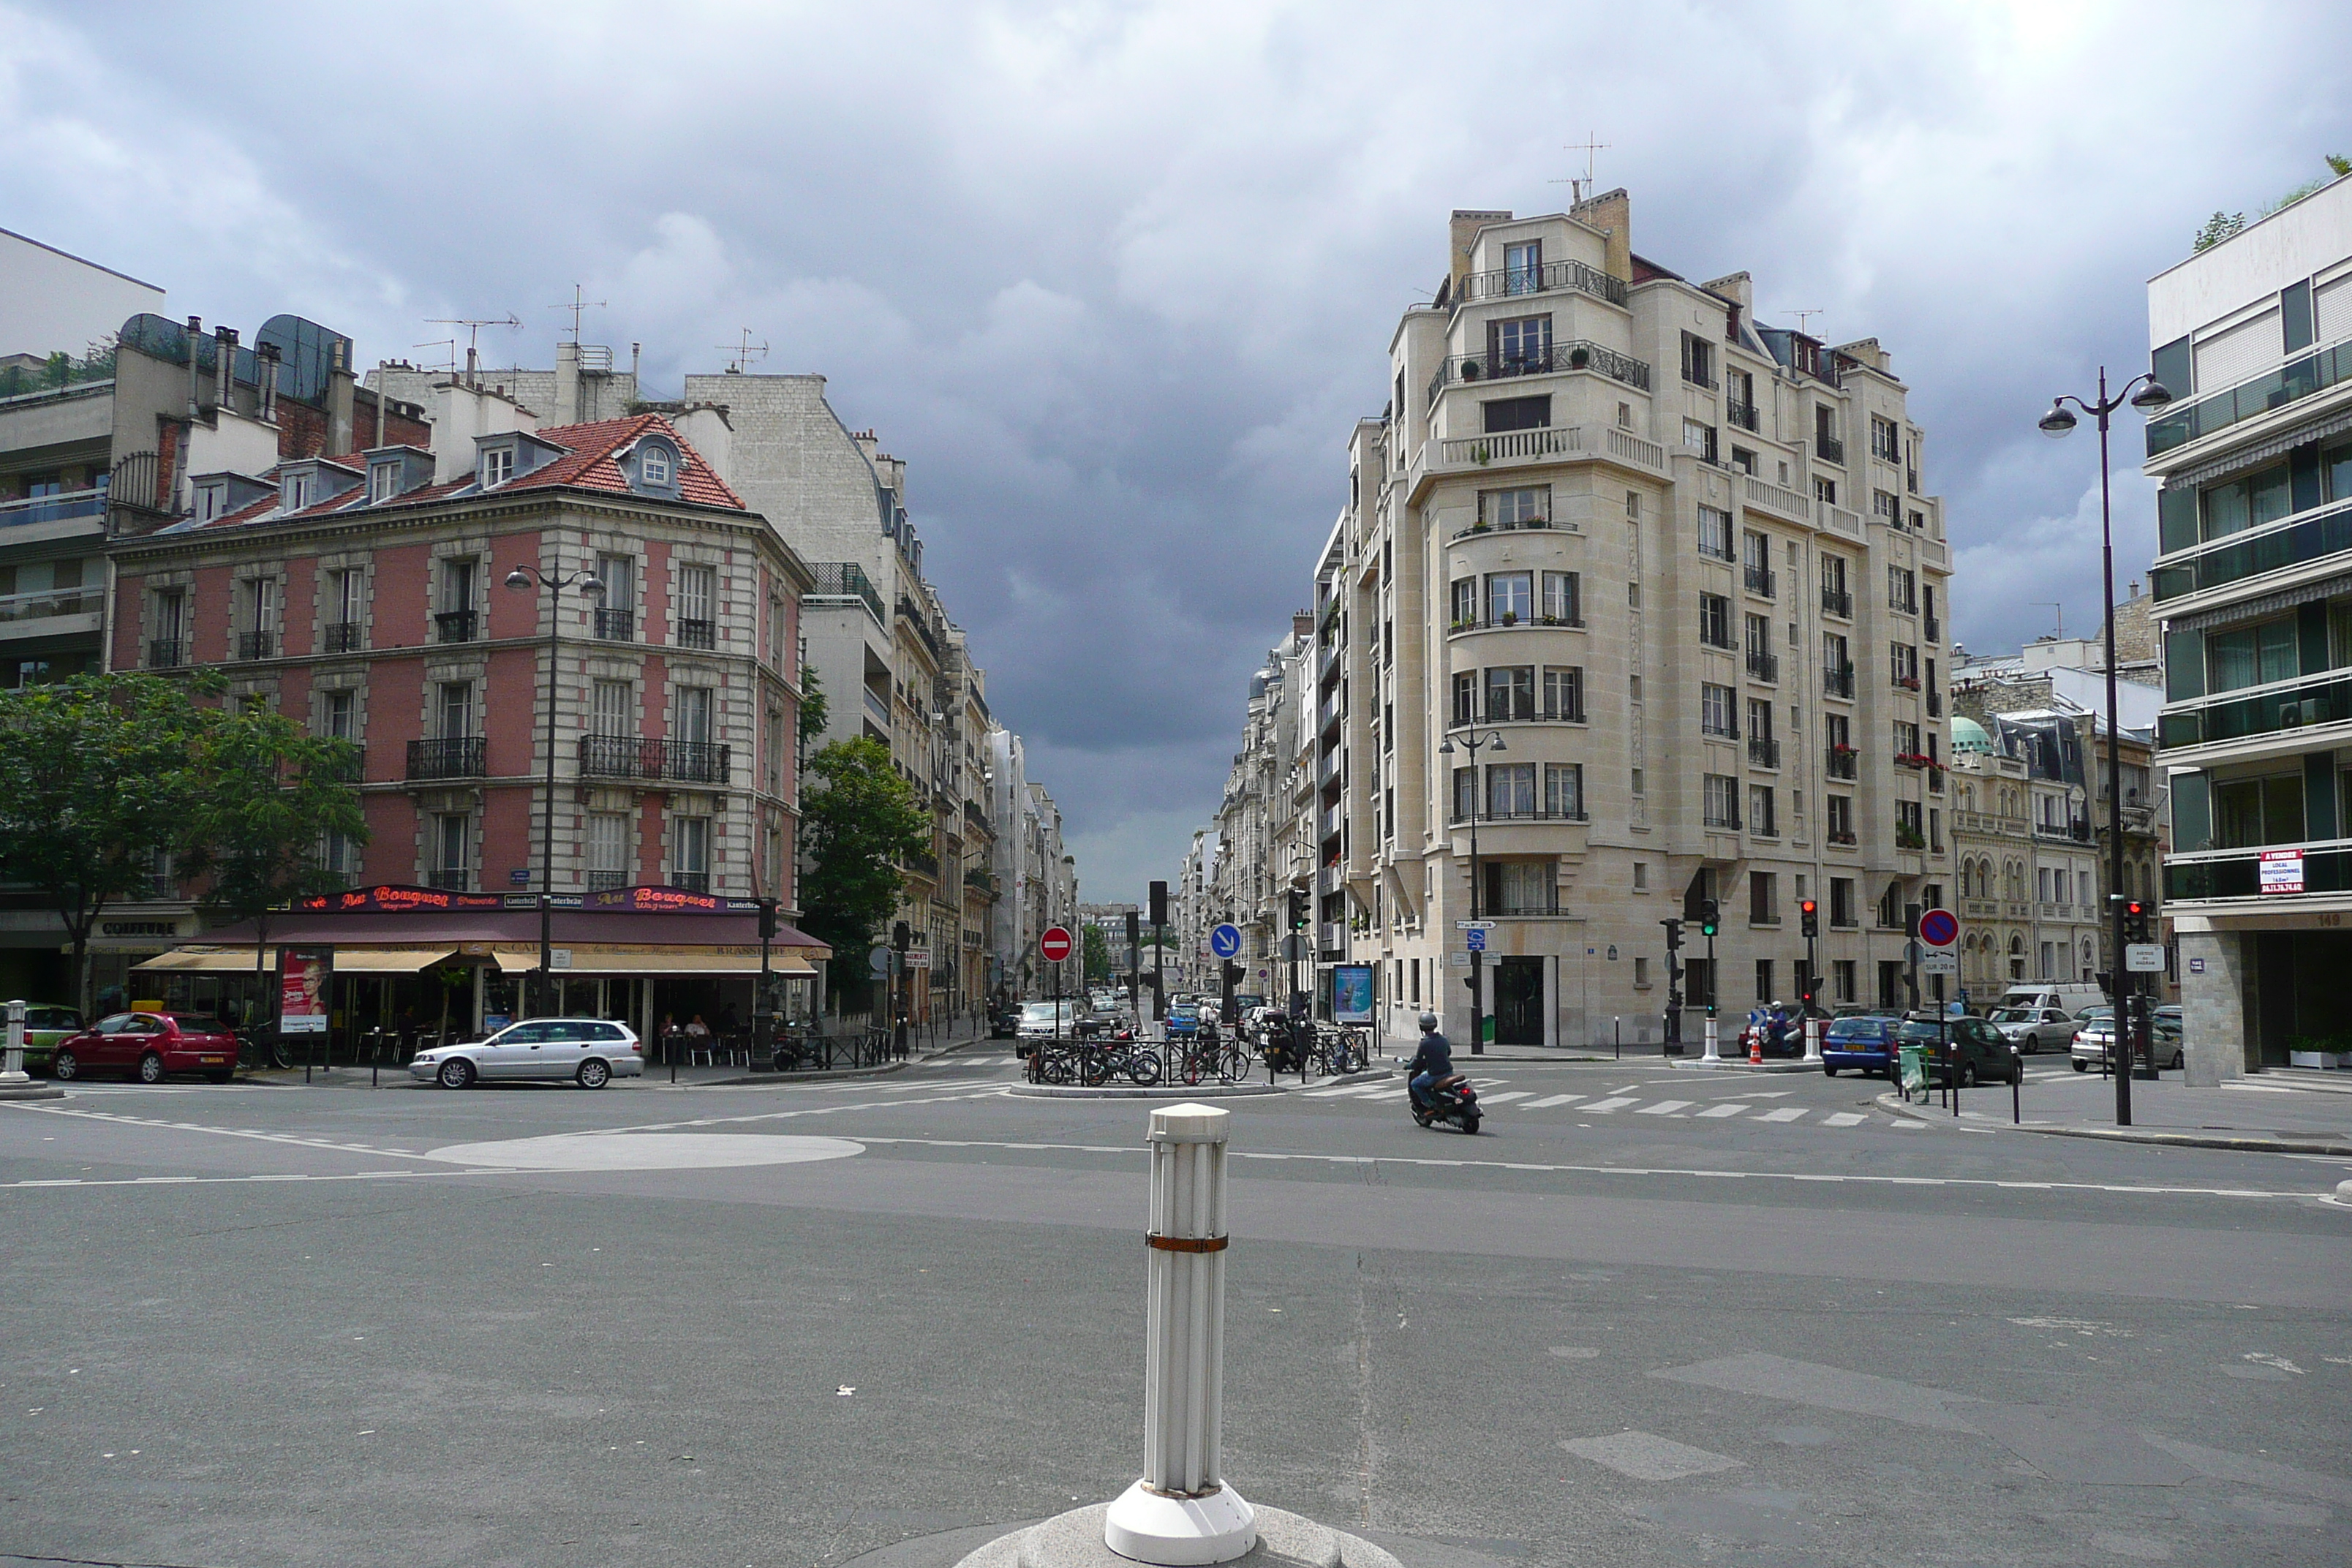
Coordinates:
1054	944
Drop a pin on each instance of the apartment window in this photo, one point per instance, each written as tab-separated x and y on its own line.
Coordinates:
1466	793
1904	658
1740	393
1840	810
690	852
652	465
616	617
1641	972
1744	461
1715	620
1841	979
1698	361
1842	905
1523	268
1761	817
1641	876
1624	416
498	466
609	708
1465	602
774	749
338	857
1763	898
1563	603
1564	791
172	617
1721	801
1511	789
608	850
1907	738
338	718
1902	590
1515	508
453	710
1759	720
1826	444
1699	438
1715	532
1511	691
695	711
1523	344
453	844
1759	644
1563	693
1465	697
1824	489
294	491
1910	830
1718	713
460	575
1501	415
384	481
1510	596
698	596
1886	439
1519	888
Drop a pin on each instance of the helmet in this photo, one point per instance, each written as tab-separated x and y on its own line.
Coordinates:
1429	1023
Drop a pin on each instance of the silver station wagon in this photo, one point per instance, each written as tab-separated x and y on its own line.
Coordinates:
591	1052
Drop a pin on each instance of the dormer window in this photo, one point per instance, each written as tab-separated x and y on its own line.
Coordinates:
498	466
654	466
384	481
210	500
294	493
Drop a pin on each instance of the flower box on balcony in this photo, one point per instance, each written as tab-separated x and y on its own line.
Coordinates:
1911	759
1845	838
1907	682
1906	839
1510	618
1843	751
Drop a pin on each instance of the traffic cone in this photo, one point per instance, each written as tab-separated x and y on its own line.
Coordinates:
1756	1047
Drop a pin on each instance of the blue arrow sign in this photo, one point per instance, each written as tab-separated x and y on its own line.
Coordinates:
1475	941
1225	941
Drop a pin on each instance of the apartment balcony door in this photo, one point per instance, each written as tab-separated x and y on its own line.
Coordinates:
1518	1001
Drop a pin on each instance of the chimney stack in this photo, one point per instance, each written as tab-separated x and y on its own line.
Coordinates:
268	356
195	336
225	367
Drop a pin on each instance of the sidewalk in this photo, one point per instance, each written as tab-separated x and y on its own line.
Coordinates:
2259	1115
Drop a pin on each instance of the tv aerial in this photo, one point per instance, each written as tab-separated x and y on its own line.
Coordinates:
473	325
743	352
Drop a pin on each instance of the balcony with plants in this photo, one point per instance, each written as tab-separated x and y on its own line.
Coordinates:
1552	359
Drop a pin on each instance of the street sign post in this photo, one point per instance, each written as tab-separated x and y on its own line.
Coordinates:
1473	925
1936	962
878	960
1054	944
2144	958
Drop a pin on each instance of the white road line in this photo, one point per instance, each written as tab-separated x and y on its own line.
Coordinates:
1341	1093
1732	1108
1784	1113
1844	1119
1500	1098
296	1176
1488	1082
1603	1106
1550	1100
1663	1107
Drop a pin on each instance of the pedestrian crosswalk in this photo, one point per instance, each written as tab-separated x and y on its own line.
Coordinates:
1753	1108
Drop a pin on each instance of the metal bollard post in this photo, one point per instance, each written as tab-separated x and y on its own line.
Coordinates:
1813	1041
1620	1024
1712	1053
14	1070
1181	1513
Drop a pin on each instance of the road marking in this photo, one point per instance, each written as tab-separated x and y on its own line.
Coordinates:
1844	1119
1646	1456
1663	1107
1784	1113
1603	1106
1551	1100
1732	1108
1342	1092
1500	1098
230	1181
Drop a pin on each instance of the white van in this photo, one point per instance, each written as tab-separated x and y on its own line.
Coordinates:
2067	999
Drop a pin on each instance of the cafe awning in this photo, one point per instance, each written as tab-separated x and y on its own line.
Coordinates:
216	960
588	960
390	959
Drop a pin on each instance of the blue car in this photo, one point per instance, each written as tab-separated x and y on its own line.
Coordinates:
1864	1043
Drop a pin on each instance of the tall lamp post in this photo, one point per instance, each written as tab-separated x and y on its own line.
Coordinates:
526	579
2148	394
1471	742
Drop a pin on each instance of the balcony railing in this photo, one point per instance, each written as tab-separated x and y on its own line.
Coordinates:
1764	667
45	605
1829	449
843	580
1509	281
1564	441
1482	526
1763	752
340	637
599	881
1461	818
1499	623
2321	701
695	633
1844	838
1741	413
2237	873
1760	580
2075	832
691	881
616	625
1837	602
2298	378
1838	682
1838	763
457	757
1551	360
645	757
257	645
1534	713
61	506
457	626
1709	637
166	653
1905	682
449	880
1932	629
2218	562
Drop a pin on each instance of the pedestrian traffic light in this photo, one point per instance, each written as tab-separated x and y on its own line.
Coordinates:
1706	918
1810	914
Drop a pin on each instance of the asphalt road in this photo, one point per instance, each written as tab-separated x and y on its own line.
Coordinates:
1645	1317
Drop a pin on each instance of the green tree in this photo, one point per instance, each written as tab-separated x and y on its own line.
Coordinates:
816	711
271	795
98	790
1096	948
858	819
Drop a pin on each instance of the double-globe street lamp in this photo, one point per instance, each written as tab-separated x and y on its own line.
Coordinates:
1472	741
525	580
2148	394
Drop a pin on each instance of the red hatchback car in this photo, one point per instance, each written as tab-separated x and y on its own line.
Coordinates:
148	1046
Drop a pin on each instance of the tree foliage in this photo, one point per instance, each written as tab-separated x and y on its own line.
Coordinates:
858	819
1096	948
272	795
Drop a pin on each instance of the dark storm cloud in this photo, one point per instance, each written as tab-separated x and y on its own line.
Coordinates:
1116	280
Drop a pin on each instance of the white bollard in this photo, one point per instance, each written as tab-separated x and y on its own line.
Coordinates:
1813	1040
1714	1052
14	1071
1181	1513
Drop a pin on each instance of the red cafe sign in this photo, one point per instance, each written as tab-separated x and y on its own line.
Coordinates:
399	899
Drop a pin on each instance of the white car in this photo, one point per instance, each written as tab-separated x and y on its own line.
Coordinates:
1047	1020
591	1052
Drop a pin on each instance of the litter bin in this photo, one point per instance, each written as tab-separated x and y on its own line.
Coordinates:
1911	1068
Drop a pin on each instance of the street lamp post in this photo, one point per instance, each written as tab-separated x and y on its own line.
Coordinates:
1471	742
529	579
2148	394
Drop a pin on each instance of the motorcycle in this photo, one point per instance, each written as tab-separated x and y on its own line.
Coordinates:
1451	1100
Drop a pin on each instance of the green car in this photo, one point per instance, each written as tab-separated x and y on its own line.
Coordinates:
45	1025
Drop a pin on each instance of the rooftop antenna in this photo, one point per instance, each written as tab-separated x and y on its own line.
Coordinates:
2061	608
1800	316
473	326
577	306
1578	189
449	343
744	352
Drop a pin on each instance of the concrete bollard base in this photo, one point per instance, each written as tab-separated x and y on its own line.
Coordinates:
1075	1540
1180	1531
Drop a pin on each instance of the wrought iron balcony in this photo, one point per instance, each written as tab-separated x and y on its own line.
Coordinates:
697	633
257	645
1507	281
1829	449
340	637
645	757
166	653
616	625
457	626
1838	682
1837	602
1741	413
691	881
1765	666
1763	752
1838	763
1551	360
1760	580
451	880
457	757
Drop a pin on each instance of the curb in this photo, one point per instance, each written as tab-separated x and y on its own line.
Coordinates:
1727	1064
1197	1091
31	1092
1892	1106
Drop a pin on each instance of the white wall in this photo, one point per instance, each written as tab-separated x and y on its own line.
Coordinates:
2285	247
51	302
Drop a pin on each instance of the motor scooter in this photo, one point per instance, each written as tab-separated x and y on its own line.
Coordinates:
1451	1100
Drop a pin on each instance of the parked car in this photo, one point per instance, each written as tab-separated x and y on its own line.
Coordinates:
2032	1029
2066	997
149	1046
1862	1041
2095	1046
1971	1049
45	1024
591	1052
1044	1021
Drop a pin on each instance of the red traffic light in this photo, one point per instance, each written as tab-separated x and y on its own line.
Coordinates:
2134	908
1808	906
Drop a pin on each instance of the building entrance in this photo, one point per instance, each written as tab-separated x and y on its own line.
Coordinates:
1518	1001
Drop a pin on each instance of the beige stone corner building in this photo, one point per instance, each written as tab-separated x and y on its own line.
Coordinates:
1679	562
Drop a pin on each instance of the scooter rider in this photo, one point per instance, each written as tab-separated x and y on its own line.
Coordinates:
1432	1062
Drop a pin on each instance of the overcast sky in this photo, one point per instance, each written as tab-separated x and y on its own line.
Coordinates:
1115	278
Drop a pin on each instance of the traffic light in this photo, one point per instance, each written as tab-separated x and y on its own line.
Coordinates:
1810	913
2134	921
1706	918
1674	935
1159	903
1298	909
767	920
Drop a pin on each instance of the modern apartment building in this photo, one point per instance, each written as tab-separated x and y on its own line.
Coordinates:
1674	573
2253	581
